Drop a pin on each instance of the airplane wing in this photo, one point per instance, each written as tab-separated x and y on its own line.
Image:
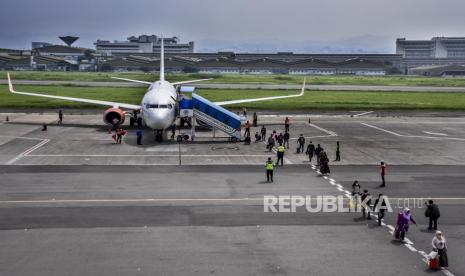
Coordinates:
174	83
189	81
130	80
97	102
263	99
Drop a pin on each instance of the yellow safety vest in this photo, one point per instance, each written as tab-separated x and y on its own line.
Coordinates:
281	149
269	166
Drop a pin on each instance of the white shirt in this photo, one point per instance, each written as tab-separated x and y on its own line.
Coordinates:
439	243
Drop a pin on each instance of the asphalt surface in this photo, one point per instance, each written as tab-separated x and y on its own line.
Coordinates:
55	219
309	86
74	203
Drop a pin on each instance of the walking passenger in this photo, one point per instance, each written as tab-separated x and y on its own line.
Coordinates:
286	138
301	142
60	117
255	119
366	202
263	132
324	163
310	151
403	220
356	195
383	174
270	143
338	151
432	212
247	129
287	123
440	246
380	207
318	150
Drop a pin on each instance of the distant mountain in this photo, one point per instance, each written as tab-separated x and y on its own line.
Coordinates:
357	45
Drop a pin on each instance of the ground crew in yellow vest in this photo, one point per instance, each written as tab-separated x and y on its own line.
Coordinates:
269	170
280	154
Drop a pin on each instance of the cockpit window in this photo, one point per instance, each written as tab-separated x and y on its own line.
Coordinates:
169	106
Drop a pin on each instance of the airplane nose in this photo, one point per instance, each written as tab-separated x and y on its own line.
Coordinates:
158	119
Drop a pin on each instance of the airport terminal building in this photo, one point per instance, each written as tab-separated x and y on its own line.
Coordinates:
438	51
142	53
143	44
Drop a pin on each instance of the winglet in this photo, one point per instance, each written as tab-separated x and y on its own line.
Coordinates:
303	87
10	85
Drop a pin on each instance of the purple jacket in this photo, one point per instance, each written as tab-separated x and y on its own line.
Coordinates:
403	219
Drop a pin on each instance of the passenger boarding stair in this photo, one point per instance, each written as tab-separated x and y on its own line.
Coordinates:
214	115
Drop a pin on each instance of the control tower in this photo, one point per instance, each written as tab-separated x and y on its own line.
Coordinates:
69	39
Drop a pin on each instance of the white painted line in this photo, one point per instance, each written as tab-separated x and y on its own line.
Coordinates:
435	133
363	113
128	200
413	136
147	155
329	132
340	189
382	129
408	241
21	137
26	152
390	227
413	249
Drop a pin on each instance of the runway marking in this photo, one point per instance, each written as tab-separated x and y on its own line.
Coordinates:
435	133
128	200
147	155
413	136
21	137
26	152
363	113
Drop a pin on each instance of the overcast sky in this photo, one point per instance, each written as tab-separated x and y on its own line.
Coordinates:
22	21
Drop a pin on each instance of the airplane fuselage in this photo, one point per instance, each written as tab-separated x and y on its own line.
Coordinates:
158	106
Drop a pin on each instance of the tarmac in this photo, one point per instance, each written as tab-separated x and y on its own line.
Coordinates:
72	202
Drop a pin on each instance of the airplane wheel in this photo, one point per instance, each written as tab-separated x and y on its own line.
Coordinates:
186	137
179	138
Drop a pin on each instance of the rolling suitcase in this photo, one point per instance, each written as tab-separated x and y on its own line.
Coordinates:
433	263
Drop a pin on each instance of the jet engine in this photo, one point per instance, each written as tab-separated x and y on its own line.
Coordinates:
110	114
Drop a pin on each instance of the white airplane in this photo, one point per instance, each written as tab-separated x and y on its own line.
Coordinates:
158	106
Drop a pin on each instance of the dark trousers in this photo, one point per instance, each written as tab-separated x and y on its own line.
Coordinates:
286	127
247	132
338	155
139	140
310	157
433	221
381	215
280	158
118	139
383	180
365	213
269	175
301	148
443	260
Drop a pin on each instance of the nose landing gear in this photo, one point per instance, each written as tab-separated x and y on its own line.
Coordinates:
158	136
